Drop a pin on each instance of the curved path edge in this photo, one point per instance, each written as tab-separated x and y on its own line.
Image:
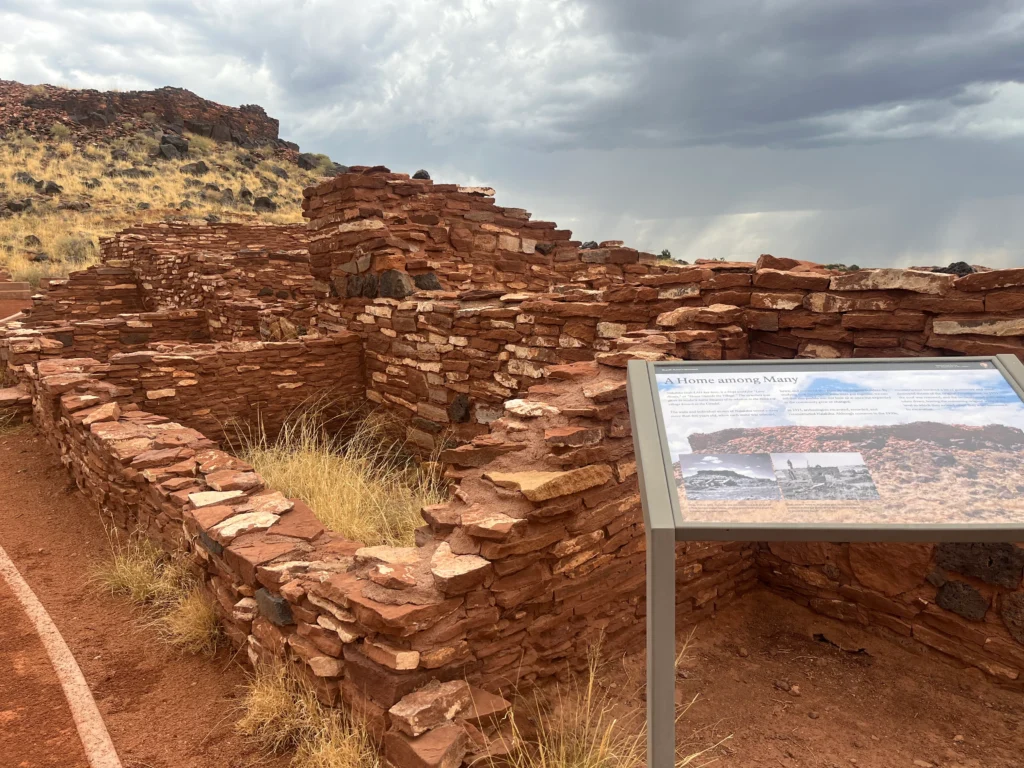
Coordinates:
99	749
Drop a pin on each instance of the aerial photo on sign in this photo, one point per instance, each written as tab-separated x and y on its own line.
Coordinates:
877	445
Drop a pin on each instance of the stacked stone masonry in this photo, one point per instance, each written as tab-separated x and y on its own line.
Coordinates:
502	343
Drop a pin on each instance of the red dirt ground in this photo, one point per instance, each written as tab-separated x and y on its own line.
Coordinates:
162	709
886	706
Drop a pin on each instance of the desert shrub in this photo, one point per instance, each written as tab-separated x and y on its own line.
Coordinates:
150	117
279	711
353	471
60	131
75	249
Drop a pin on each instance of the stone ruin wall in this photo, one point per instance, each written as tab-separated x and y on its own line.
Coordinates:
540	552
223	389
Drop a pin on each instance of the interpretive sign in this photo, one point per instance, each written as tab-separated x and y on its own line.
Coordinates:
920	449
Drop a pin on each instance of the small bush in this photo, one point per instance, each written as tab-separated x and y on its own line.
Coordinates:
60	131
74	248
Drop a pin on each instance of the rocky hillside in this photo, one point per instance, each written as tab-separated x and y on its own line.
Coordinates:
77	164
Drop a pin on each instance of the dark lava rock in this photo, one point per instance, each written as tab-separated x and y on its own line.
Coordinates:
590	244
337	169
78	205
227	197
168	152
178	142
545	248
143	206
307	161
212	218
278	171
91	183
248	161
31	241
245	195
421	174
25	178
265	292
458	409
395	284
39	257
197	168
1011	608
17	206
185	205
1001	564
48	188
958	268
209	543
274	607
119	154
264	204
427	282
962	599
199	128
221	132
364	285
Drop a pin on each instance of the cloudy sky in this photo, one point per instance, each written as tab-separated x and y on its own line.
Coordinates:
876	132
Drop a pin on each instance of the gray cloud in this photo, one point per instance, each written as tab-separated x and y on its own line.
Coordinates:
852	130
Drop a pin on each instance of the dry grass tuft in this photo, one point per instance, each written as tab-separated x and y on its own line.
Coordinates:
281	712
167	588
356	476
585	725
580	726
191	623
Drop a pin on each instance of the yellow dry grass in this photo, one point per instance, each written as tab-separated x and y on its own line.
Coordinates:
71	238
280	712
584	724
357	477
166	587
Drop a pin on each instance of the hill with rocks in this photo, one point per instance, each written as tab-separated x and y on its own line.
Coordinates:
78	165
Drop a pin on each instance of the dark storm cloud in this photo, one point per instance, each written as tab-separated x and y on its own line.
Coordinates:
747	71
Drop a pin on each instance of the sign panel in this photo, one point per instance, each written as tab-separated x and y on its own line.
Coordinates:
928	449
873	443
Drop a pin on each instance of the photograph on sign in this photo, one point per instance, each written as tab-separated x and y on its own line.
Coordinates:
926	445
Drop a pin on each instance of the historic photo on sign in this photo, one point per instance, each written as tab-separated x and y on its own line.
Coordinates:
821	476
728	477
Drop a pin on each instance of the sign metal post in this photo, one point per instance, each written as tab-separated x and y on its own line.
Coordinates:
796	496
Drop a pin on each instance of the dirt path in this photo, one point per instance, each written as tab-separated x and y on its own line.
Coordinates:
163	709
36	729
